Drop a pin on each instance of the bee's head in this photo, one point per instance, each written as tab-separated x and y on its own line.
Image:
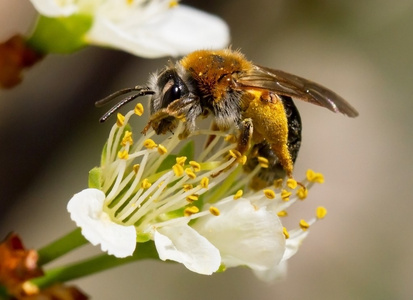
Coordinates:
170	92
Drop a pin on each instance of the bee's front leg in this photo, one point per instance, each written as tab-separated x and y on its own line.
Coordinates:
245	136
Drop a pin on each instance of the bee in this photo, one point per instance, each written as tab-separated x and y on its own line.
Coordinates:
257	100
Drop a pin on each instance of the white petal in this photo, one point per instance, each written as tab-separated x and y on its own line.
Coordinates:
51	8
297	237
85	209
184	245
245	235
173	32
277	272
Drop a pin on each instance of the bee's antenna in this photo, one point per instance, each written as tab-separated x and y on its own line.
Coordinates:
142	91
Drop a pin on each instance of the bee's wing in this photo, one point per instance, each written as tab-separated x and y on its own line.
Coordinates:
291	85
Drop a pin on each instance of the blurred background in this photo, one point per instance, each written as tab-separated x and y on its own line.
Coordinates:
50	138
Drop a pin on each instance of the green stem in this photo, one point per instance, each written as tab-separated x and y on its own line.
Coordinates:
93	265
61	246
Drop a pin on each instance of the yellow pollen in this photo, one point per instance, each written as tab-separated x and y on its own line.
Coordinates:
187	186
302	193
321	212
173	4
215	211
146	184
195	166
282	213
242	160
161	149
181	160
204	182
304	225
190	173
314	177
278	183
123	154
238	194
235	153
230	138
192	198
129	2
190	211
120	120
127	138
149	144
269	194
285	195
286	234
263	162
291	183
178	170
138	109
136	168
160	184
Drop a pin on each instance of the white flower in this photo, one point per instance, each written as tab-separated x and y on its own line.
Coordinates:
152	28
198	213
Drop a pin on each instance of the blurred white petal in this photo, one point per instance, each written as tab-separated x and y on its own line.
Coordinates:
172	32
85	209
53	8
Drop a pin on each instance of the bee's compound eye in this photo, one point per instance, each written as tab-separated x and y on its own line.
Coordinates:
173	93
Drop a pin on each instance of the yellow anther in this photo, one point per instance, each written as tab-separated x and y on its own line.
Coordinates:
204	182
146	184
282	213
286	234
242	160
230	138
302	193
269	193
187	186
149	144
178	170
173	3
181	160
215	211
278	183
238	194
263	162
127	138
291	183
285	195
234	153
190	211
304	225
321	212
138	109
136	168
120	120
195	166
192	198
161	149
190	173
314	177
123	154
